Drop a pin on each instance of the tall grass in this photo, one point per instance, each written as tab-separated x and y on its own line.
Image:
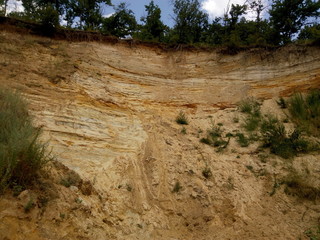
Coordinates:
22	155
305	111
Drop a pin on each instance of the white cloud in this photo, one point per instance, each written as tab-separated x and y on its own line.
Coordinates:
108	15
216	8
14	6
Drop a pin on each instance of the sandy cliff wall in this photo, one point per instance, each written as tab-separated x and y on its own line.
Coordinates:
108	111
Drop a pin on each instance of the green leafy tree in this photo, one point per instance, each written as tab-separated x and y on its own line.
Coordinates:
190	22
288	17
88	12
310	33
215	32
122	23
153	28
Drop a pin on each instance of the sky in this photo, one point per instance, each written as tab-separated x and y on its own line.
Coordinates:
214	8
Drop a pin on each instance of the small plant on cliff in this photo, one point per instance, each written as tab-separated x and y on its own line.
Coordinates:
305	111
22	155
207	173
281	143
282	103
250	106
182	119
177	187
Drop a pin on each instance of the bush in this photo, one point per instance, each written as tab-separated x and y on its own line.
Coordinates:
22	155
214	138
305	111
275	136
251	123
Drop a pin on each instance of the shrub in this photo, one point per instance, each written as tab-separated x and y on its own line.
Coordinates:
252	108
275	136
305	111
182	119
22	155
251	123
242	140
214	138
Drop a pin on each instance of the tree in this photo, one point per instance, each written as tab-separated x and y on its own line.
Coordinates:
215	32
3	4
122	23
258	7
190	21
153	28
88	12
235	12
310	33
288	17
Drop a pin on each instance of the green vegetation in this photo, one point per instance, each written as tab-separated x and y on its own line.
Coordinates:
305	111
234	30
30	204
22	154
251	123
214	138
177	187
129	187
275	136
300	186
71	179
282	103
313	233
252	109
207	173
182	119
250	106
242	140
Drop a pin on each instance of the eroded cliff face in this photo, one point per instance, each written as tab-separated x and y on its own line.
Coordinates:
109	113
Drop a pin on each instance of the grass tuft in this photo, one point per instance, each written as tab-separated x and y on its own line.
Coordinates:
250	106
282	103
182	119
22	155
207	173
177	187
